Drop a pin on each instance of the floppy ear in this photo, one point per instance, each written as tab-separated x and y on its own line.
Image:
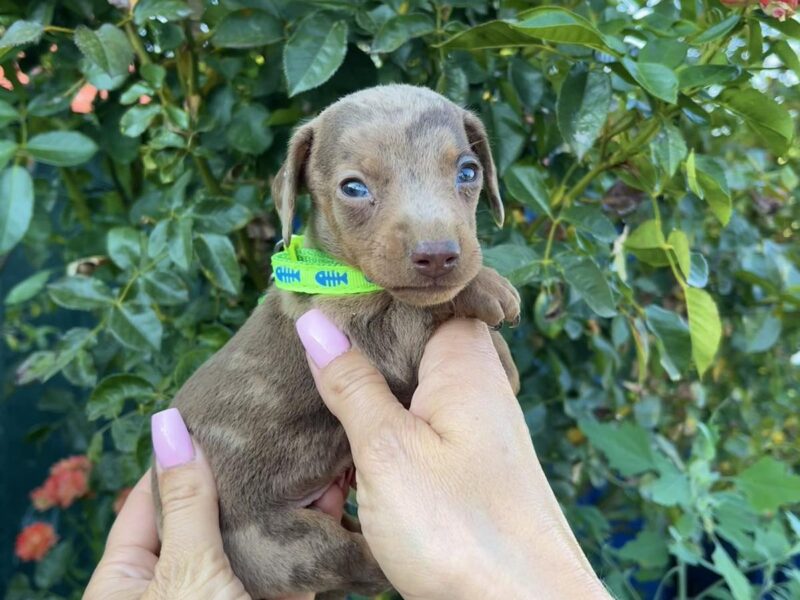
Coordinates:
479	142
289	179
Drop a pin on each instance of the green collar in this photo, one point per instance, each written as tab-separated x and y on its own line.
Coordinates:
310	271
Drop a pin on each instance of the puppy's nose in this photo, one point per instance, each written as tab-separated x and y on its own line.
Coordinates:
434	259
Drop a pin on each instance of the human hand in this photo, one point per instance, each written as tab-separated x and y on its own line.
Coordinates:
191	562
452	498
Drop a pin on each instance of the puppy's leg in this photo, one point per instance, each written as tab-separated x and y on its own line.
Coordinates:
505	358
490	298
302	550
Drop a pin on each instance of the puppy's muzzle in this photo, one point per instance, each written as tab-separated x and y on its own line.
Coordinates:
435	259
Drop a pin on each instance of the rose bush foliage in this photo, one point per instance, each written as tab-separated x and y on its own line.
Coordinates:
648	161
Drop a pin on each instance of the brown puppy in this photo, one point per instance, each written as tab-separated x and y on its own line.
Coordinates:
394	173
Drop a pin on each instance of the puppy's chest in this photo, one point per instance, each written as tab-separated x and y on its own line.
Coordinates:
393	340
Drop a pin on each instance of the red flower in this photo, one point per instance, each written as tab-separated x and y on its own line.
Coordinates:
68	481
119	501
779	9
35	541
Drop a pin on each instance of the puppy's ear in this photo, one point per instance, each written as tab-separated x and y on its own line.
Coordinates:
289	179
479	141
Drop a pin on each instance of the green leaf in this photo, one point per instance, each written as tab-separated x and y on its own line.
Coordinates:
673	340
21	33
768	119
587	279
668	52
590	219
8	114
453	84
668	149
734	578
248	131
657	79
769	484
787	55
8	150
762	330
52	568
717	30
218	216
680	249
126	432
582	108
626	446
506	133
399	29
704	326
648	549
218	259
314	52
138	119
109	396
698	272
562	26
672	488
526	184
528	81
707	179
161	10
516	262
124	246
107	49
247	29
61	148
179	245
16	208
166	288
706	75
27	288
647	243
135	326
80	293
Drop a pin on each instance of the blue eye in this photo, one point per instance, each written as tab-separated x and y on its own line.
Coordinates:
467	173
354	188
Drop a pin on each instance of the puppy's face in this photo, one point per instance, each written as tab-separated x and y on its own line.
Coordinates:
395	173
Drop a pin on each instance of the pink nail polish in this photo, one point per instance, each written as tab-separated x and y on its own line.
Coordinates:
171	441
322	339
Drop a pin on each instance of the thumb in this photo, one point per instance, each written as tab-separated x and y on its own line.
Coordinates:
351	387
188	494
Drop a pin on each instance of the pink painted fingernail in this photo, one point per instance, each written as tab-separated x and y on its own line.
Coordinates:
322	339
171	441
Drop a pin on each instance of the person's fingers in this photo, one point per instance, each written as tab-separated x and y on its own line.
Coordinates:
459	371
352	388
135	525
189	509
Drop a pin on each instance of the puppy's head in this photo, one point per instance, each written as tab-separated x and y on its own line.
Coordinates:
394	173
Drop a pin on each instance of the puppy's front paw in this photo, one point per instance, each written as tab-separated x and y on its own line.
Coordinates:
490	298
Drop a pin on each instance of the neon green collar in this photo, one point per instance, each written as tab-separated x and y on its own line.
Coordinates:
310	271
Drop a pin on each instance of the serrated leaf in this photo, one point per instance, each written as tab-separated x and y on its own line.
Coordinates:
124	246
135	326
704	326
27	288
399	29
162	10
513	261
588	280
138	119
219	216
218	259
657	79
248	131
179	244
107	49
673	340
769	484
166	288
126	431
528	81
736	581
768	119
590	219
61	148
680	249
707	179
506	134
718	29
78	292
626	446
109	396
16	208
647	243
314	53
582	107
20	33
706	75
668	149
247	28
648	549
526	184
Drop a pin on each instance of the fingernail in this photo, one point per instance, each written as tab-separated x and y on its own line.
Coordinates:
322	339
171	441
